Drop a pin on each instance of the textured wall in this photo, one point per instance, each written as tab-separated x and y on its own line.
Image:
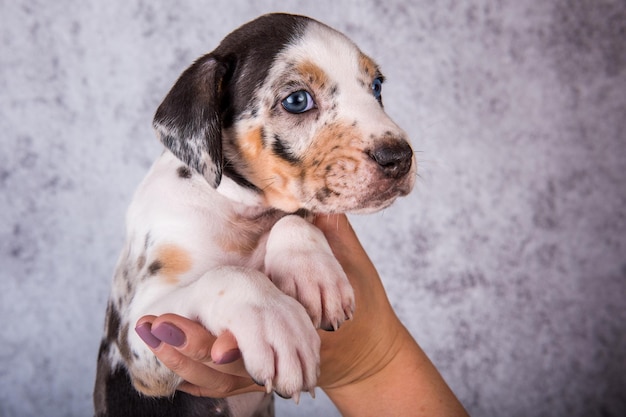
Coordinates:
508	262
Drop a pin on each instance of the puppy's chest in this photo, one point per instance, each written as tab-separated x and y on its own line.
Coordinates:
242	240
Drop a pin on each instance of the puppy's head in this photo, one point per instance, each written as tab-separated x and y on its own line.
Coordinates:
291	109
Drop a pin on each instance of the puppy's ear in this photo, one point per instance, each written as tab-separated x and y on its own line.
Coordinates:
188	121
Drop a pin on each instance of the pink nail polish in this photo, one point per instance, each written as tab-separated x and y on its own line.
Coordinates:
228	357
170	334
143	330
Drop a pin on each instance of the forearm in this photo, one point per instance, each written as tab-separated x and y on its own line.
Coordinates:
409	385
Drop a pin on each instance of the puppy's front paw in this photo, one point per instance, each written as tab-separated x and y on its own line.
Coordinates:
302	265
279	345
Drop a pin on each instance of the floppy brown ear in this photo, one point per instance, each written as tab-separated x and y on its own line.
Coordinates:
188	121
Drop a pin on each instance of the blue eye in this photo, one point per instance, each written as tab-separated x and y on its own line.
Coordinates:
298	102
377	88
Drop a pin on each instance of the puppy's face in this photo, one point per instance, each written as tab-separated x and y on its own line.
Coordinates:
310	132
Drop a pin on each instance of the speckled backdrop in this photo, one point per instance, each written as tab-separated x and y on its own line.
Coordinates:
508	262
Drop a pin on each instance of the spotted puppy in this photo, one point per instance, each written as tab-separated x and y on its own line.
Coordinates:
283	120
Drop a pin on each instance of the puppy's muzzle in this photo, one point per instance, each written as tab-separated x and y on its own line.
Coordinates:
394	159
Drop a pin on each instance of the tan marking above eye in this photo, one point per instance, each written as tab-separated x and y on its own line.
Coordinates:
368	66
312	74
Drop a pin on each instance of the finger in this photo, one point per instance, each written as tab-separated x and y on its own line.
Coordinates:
225	349
182	360
238	386
189	337
344	243
332	225
339	234
200	379
193	339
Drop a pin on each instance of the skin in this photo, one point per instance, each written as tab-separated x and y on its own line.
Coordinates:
372	353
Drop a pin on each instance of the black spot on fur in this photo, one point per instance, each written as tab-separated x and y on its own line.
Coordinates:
184	172
324	193
113	323
104	348
281	150
230	172
155	267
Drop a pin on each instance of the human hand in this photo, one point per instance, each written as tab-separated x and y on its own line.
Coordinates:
365	344
370	366
211	366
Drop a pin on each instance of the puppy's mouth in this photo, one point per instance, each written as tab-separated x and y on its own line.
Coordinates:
379	196
371	185
385	195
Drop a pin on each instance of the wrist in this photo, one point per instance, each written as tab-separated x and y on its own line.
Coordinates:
366	377
405	384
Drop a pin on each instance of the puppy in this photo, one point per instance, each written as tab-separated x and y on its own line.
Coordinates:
282	121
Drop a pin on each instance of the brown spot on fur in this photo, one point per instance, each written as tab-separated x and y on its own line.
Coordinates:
103	373
251	144
314	75
243	234
155	267
152	387
141	261
368	66
122	344
184	172
172	262
113	322
273	175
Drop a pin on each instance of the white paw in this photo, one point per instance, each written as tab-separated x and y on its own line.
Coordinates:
300	263
279	345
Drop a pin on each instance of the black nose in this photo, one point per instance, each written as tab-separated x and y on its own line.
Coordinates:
394	159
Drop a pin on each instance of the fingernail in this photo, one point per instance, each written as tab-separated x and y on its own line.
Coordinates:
170	334
143	330
228	357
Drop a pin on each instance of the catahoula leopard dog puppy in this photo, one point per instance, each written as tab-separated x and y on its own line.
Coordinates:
282	121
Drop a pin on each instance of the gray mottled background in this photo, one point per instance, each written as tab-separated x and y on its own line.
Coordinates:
508	262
